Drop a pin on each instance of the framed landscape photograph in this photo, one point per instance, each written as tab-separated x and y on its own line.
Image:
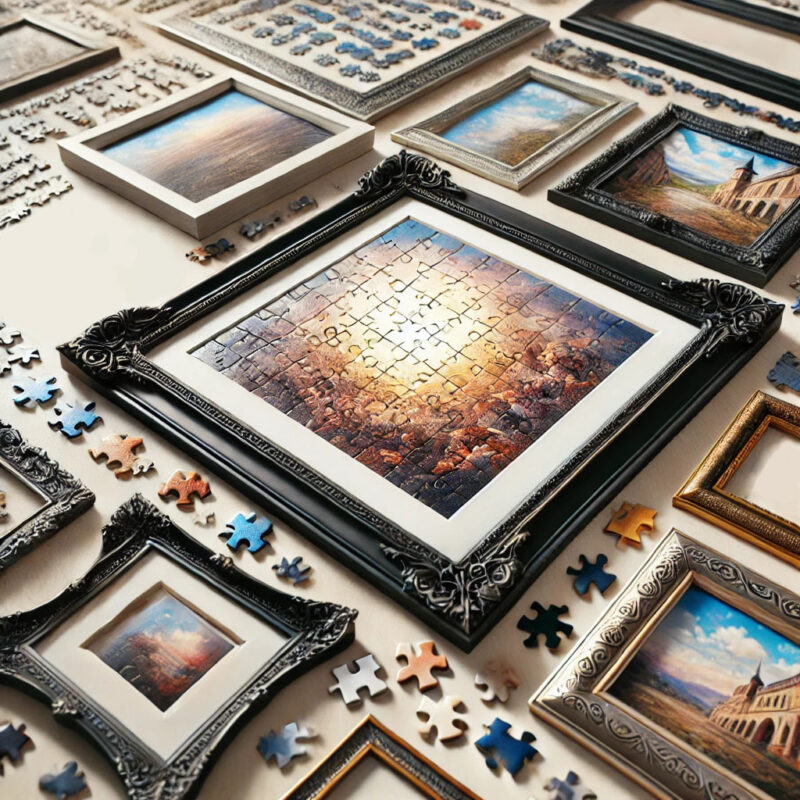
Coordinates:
419	378
35	52
37	497
358	59
725	196
163	650
206	156
688	682
514	130
739	485
749	46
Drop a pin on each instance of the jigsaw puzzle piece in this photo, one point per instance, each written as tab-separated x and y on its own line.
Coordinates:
628	522
420	663
66	783
591	572
497	682
35	390
570	788
786	372
248	529
7	336
12	740
546	623
365	677
185	486
512	752
283	746
72	420
119	449
23	355
442	716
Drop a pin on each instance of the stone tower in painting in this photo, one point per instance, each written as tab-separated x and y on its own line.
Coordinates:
739	180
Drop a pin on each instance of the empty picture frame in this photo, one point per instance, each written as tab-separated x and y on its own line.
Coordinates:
519	127
53	497
208	155
35	52
723	195
603	19
163	650
740	488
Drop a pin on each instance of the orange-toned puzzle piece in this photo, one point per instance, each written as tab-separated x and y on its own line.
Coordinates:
420	664
628	522
185	486
119	449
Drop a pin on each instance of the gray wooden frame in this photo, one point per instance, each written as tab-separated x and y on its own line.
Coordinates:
425	136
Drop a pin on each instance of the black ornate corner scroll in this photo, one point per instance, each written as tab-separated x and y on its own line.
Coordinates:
64	497
404	171
316	631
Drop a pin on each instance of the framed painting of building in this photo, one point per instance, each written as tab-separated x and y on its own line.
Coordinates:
749	46
349	58
37	496
725	196
689	682
398	380
517	128
35	52
739	486
163	650
206	156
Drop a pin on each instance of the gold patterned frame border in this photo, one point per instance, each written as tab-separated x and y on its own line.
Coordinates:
371	738
704	493
574	698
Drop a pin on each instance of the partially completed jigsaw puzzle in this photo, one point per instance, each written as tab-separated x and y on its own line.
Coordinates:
432	363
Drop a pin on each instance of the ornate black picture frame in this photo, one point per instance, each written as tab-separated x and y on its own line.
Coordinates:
755	263
463	599
64	496
598	19
315	631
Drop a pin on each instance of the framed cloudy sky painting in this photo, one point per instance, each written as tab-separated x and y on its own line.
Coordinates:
409	381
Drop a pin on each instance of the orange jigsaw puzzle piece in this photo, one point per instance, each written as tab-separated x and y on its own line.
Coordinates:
628	522
185	486
119	449
420	664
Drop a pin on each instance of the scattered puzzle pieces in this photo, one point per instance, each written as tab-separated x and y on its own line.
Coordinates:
365	677
499	681
294	570
12	740
442	716
591	572
513	753
570	788
546	623
249	529
629	520
35	390
185	486
420	664
786	372
23	355
283	746
72	420
66	783
119	449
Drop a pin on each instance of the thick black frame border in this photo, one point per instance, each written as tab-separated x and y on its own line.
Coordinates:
66	498
755	264
597	19
316	632
461	600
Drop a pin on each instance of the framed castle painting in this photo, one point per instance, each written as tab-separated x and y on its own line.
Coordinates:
207	155
688	683
517	128
724	196
163	650
416	378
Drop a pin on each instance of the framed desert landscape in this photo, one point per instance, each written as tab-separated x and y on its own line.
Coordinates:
688	683
163	649
209	154
35	52
517	128
416	378
724	196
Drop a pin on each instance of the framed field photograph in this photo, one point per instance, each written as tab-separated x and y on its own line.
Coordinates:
357	59
35	52
739	485
514	130
418	379
163	650
749	46
725	196
688	682
37	497
206	156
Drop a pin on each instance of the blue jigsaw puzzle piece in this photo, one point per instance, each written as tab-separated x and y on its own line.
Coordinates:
35	390
249	529
283	746
786	372
292	570
72	420
67	783
796	305
591	572
511	751
12	740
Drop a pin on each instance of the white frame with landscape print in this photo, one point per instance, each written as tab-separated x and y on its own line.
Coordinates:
349	139
422	135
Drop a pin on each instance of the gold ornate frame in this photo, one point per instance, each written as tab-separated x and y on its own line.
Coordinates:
704	493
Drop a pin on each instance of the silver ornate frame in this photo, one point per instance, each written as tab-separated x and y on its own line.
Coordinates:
572	699
425	136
